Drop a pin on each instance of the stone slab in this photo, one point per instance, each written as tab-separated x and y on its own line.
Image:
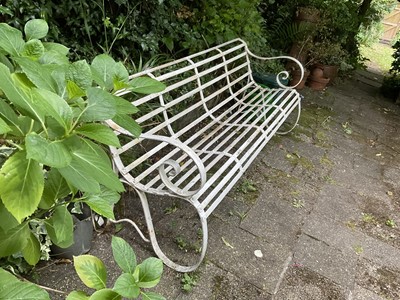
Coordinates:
301	283
360	293
353	241
380	279
276	220
215	283
337	203
232	249
330	262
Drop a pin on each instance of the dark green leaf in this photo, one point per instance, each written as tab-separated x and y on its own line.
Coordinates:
123	254
60	227
21	185
103	203
55	187
125	285
4	127
11	40
150	271
8	114
7	220
17	96
146	85
100	105
31	252
13	289
124	107
100	133
36	29
39	74
128	123
14	240
54	106
169	42
50	153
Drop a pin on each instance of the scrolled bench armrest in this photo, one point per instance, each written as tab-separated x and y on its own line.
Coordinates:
284	74
175	165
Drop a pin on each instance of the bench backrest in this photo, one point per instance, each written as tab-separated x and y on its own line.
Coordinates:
199	86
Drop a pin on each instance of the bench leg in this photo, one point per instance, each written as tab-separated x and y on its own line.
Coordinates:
295	124
157	248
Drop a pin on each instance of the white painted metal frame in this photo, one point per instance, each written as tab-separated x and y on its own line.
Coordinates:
238	118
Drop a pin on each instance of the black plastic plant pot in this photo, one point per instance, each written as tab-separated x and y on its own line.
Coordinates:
83	235
269	80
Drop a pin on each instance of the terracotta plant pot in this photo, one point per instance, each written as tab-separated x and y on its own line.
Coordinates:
317	73
296	78
329	71
317	84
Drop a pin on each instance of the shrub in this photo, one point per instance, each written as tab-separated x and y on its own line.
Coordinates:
51	114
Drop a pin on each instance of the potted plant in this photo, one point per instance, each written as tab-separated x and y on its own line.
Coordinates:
51	113
328	56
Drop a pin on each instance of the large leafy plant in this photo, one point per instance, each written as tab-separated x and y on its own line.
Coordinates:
51	113
92	271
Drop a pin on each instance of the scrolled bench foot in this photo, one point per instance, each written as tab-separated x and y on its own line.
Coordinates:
295	124
154	242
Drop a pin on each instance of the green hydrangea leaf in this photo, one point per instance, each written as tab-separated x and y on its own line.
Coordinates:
103	68
146	85
33	49
14	240
55	187
21	185
150	271
80	73
60	227
11	40
103	202
91	271
31	252
12	288
123	254
50	153
100	133
36	29
125	285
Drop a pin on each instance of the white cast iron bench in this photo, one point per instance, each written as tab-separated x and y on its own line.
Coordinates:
202	132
